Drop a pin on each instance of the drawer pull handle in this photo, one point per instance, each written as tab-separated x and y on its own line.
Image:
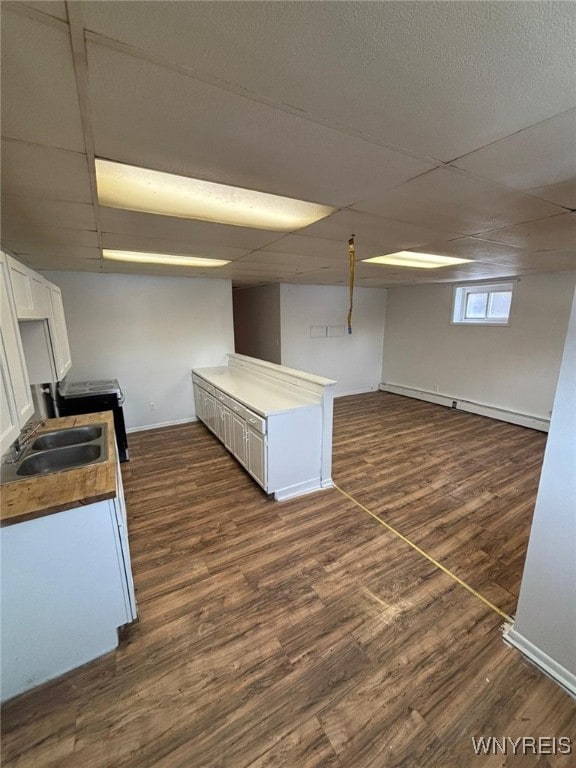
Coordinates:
252	421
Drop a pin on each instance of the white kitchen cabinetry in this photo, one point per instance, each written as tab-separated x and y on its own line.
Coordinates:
16	405
277	422
66	589
42	325
29	291
58	332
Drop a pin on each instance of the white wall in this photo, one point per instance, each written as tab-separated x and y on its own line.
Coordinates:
545	625
257	322
511	367
354	360
148	332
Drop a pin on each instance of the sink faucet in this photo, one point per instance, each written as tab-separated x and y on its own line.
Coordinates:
21	442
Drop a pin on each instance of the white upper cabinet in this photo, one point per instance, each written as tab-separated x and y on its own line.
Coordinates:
29	291
16	405
58	332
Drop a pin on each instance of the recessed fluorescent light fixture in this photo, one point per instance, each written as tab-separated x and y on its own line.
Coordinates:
162	258
139	189
417	260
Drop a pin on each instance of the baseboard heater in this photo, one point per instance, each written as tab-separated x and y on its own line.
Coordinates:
501	414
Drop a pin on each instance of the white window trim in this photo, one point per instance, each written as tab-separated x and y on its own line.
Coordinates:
461	293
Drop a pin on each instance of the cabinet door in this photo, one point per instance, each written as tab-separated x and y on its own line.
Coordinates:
199	402
59	332
239	438
29	291
256	464
219	426
228	428
209	411
16	398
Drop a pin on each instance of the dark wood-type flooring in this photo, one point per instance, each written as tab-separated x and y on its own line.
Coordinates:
304	633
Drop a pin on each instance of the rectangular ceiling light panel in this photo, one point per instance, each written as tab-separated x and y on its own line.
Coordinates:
139	189
417	260
162	258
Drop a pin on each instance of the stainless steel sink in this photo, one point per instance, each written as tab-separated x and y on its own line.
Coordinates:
63	437
57	451
57	459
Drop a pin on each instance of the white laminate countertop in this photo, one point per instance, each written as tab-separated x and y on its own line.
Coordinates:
264	397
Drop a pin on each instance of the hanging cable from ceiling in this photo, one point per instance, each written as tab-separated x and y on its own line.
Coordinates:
352	263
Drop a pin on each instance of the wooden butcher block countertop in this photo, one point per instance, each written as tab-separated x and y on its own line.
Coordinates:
45	494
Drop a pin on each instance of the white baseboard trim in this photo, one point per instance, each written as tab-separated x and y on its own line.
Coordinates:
162	424
291	491
363	391
545	663
493	412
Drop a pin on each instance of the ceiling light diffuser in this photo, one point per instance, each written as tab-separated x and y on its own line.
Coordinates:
162	258
417	260
139	189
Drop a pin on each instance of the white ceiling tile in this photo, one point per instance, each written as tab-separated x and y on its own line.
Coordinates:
543	261
187	231
314	247
439	78
46	239
294	261
19	213
36	171
557	232
55	8
563	193
457	201
540	156
42	253
39	98
374	235
191	128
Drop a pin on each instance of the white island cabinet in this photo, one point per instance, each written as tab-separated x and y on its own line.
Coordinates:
276	421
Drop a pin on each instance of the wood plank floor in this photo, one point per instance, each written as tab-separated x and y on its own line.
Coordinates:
304	633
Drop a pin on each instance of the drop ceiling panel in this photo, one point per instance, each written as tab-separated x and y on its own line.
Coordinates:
20	212
563	193
375	235
453	200
44	172
288	260
543	261
43	254
187	231
39	97
540	156
555	233
47	239
314	247
184	126
51	7
442	79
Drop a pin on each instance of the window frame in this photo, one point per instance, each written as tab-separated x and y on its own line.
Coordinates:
464	290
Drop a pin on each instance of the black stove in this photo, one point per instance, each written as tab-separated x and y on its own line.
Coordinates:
75	397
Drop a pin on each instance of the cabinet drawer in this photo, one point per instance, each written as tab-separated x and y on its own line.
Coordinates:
221	397
251	418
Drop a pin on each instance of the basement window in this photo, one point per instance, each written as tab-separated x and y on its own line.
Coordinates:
483	304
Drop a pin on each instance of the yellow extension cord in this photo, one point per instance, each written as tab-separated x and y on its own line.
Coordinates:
427	556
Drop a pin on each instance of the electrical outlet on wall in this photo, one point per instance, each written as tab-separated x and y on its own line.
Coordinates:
153	406
436	388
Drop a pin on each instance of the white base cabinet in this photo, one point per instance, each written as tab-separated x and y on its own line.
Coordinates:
66	589
277	422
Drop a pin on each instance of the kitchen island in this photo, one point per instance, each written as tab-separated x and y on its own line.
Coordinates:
66	574
276	421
